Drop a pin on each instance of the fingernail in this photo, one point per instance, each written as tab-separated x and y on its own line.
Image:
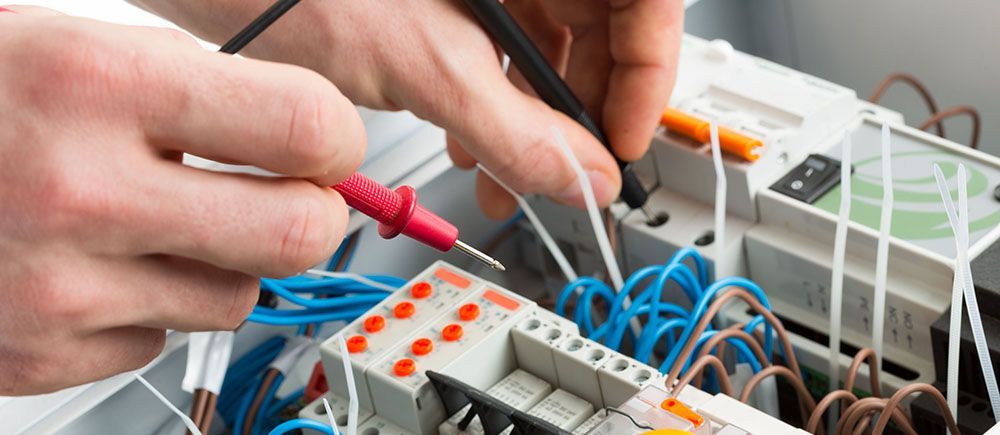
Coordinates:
601	184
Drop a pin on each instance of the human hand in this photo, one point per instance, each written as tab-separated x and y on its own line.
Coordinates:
432	58
106	239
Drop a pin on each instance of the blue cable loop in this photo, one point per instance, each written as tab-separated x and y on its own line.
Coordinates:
286	401
699	310
654	291
753	324
305	316
301	423
283	292
738	343
652	333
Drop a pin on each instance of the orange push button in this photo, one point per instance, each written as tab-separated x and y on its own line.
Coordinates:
679	409
404	367
452	332
468	312
403	310
357	344
374	323
422	346
421	290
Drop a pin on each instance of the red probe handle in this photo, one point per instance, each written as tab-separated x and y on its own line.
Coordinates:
397	212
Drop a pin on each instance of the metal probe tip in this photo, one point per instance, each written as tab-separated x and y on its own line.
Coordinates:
479	255
650	217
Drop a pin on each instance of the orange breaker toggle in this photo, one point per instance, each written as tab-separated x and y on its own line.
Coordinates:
698	129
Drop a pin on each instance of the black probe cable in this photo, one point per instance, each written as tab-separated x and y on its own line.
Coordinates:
498	22
258	25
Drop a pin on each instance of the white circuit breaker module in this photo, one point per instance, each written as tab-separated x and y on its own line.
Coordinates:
450	353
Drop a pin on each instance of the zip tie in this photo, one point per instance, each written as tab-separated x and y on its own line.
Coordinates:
882	255
839	252
543	233
352	391
291	354
187	420
329	415
720	200
352	276
960	226
595	216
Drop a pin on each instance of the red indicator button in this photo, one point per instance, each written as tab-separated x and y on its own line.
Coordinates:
356	344
404	367
374	323
468	312
452	332
403	310
421	290
422	346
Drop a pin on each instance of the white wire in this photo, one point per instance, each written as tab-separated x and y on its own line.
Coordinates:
187	420
352	276
352	391
955	320
839	252
882	255
543	233
595	216
720	201
329	416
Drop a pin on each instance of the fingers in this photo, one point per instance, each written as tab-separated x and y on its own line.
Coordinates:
182	294
644	41
459	156
27	10
494	201
46	366
281	118
255	225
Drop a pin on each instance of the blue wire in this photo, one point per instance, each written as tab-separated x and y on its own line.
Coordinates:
339	302
258	423
241	414
290	318
768	341
699	310
647	342
285	402
736	342
301	423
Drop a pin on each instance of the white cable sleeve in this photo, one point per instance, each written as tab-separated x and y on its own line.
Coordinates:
187	420
543	233
290	355
208	360
352	391
329	415
351	276
595	216
839	252
720	201
882	255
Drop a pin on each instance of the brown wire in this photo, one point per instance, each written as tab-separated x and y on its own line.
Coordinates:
893	403
917	85
725	386
938	117
707	319
853	415
866	353
198	407
255	405
717	341
805	398
206	421
817	415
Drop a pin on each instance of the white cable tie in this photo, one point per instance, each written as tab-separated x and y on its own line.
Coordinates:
839	252
352	391
543	233
187	420
351	276
595	216
882	254
720	201
955	319
290	355
329	415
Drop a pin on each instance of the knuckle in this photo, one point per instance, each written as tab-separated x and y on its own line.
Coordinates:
78	63
245	291
53	299
523	168
307	239
65	200
322	122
